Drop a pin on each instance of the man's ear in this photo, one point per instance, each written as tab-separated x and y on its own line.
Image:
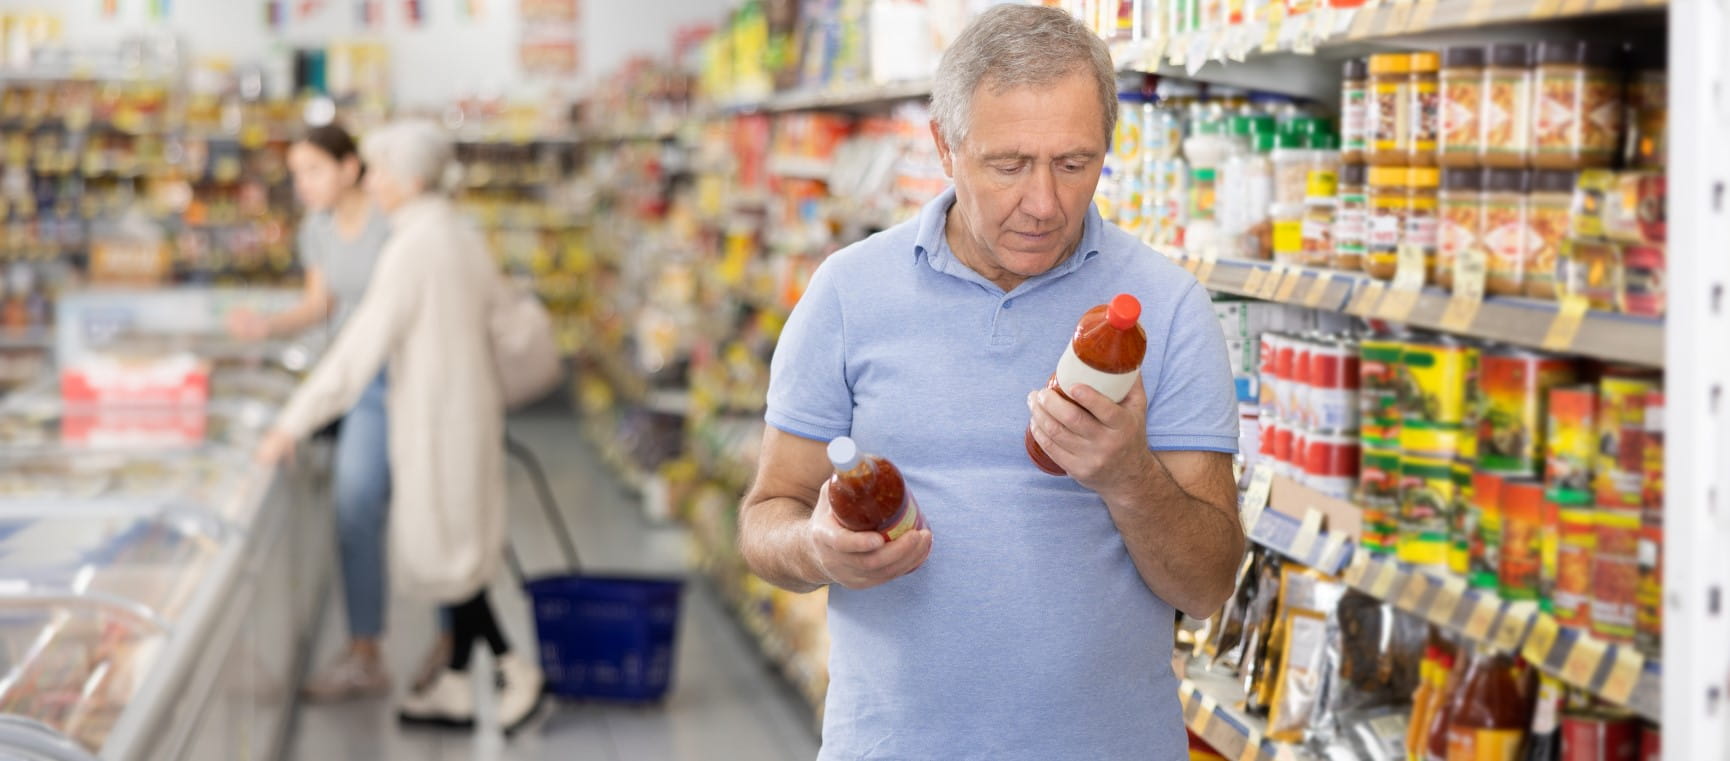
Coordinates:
944	153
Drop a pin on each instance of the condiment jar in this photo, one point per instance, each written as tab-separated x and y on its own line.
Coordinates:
1507	234
1424	97
1290	168
1648	109
1505	118
1388	201
1577	110
1354	105
1459	136
1351	218
1388	125
1462	219
1320	202
1422	184
1547	210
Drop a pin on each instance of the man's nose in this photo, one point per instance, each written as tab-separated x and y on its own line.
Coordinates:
1039	197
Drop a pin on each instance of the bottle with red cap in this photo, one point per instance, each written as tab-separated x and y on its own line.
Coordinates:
1105	354
867	493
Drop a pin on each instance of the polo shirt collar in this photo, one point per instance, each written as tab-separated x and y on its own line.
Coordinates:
929	243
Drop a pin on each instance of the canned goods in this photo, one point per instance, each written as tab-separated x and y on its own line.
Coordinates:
1379	392
1268	365
1571	444
1573	592
1514	383
1522	509
1616	576
1460	527
1333	377
1649	596
1381	525
1298	387
1432	396
1331	463
1484	523
1600	735
1426	498
1379	474
1652	456
1621	433
1284	369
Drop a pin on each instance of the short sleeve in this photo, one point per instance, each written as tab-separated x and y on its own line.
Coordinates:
310	243
808	392
1194	403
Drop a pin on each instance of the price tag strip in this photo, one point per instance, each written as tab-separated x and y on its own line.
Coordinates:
1584	658
1566	326
1413	594
1305	541
1289	285
1360	566
1204	272
1541	640
1363	24
1544	9
1251	746
1385	579
1572	7
1255	495
1479	9
1368	295
1511	630
1318	289
1446	601
1484	612
1470	272
1333	549
1422	17
1626	670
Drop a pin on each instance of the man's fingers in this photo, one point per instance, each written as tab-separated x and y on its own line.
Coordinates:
1055	445
837	538
1102	408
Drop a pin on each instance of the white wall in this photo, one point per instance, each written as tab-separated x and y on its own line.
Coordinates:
445	56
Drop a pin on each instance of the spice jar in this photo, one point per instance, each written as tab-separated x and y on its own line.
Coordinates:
1547	214
1462	219
1288	232
1388	126
1422	185
1290	168
1388	201
1507	233
1354	103
1648	112
1351	218
1577	109
1320	202
1505	117
1458	138
1424	98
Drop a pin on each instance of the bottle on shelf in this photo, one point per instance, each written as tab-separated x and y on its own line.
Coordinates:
1105	354
867	493
1491	711
1545	743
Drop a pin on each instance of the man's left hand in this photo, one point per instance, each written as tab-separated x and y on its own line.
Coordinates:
1103	445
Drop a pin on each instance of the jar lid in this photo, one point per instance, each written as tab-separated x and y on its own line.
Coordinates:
1426	62
1260	123
1555	181
1324	141
1423	176
1463	57
1463	178
1390	63
1516	55
1209	127
1207	174
1240	125
1601	55
1507	180
1553	52
1353	174
1356	68
1388	176
1288	140
1262	142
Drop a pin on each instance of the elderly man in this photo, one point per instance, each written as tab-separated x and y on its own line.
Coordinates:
1034	619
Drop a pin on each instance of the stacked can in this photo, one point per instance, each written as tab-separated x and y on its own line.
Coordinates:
1310	411
1433	378
1379	410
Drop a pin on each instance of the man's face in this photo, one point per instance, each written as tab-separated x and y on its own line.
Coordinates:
1024	176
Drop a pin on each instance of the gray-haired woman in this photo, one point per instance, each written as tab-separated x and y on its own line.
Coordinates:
424	320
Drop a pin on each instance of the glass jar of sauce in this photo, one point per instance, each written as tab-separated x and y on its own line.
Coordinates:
1388	128
1424	109
1462	219
1458	134
1422	188
1505	118
1388	202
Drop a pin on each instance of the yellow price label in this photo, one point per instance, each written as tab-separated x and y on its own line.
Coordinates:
1204	273
1368	296
1447	600
1208	706
1331	549
1546	8
1399	19
1570	315
1397	306
1541	639
1363	23
1251	746
1478	626
1306	535
1583	660
1478	10
1572	7
1421	18
1270	284
1318	289
1190	263
1384	583
1360	565
1288	287
1252	284
1625	673
1412	595
1607	5
1512	628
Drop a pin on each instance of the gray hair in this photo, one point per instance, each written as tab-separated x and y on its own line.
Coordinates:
1012	46
414	151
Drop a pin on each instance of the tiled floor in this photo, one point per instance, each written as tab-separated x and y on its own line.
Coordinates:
725	703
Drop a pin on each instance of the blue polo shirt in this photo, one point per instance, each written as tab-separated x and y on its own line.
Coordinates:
1028	634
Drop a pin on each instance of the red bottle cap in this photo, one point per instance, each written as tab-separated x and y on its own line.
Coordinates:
1123	311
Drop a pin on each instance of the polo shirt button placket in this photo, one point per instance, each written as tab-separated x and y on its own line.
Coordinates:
1003	330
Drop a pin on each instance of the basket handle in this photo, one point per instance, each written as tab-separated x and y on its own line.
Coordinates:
549	505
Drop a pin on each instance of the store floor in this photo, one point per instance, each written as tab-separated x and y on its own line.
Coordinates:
725	703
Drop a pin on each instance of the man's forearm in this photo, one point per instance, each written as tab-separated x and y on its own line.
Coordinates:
774	541
1186	548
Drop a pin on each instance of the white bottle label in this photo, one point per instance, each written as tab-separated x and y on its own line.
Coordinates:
1072	372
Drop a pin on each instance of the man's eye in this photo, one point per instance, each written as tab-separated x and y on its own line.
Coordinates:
1073	166
1008	169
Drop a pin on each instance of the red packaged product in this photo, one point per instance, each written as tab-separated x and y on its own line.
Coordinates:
1105	354
1616	575
1595	736
867	493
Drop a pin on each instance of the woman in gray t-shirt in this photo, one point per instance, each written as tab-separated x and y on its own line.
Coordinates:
339	240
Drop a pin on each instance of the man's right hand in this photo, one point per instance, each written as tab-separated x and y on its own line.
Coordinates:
862	559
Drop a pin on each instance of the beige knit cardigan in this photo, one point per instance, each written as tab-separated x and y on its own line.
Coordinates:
424	318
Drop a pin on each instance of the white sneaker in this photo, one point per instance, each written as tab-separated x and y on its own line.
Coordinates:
449	702
346	678
518	691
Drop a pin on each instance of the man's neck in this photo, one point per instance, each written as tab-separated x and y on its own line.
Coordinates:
959	235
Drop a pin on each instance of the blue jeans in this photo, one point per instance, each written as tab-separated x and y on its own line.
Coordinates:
361	486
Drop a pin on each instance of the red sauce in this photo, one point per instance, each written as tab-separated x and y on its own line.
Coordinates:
870	497
1109	339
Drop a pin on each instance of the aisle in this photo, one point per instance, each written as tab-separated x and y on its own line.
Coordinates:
725	703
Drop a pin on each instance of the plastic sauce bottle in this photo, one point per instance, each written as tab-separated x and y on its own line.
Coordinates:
1105	354
867	493
1491	712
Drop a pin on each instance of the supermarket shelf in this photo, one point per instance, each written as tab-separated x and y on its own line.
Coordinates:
651	133
836	99
1213	709
801	168
1618	673
1524	322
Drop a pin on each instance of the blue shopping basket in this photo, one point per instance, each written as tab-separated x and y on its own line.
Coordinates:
601	637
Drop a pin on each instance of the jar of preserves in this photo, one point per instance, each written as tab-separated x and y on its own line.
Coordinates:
1354	104
1423	192
1424	98
1462	219
1578	107
1507	233
1505	118
1351	219
1388	126
1547	212
1388	202
1458	135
